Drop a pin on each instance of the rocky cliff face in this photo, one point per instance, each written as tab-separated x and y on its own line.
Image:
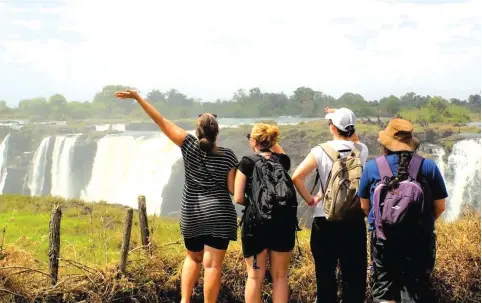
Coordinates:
297	140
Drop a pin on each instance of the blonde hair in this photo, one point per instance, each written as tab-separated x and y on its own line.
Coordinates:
266	135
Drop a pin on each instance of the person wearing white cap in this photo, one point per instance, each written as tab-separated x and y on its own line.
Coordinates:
336	240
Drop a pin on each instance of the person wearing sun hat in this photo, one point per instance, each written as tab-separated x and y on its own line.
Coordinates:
400	271
334	241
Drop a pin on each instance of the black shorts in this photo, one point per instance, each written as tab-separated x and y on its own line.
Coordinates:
401	272
278	236
196	244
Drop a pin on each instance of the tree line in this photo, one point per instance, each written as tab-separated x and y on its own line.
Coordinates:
304	101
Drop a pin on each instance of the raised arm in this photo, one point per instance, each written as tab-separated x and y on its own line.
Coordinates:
277	149
171	130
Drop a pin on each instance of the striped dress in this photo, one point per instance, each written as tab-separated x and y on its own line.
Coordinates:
206	206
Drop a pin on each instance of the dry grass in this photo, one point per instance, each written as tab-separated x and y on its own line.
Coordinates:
93	277
156	279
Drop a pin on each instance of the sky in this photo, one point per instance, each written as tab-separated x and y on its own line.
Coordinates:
209	49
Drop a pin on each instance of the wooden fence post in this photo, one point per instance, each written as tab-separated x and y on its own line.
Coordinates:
126	241
54	243
141	203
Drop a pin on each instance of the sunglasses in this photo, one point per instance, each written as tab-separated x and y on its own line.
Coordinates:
214	115
248	136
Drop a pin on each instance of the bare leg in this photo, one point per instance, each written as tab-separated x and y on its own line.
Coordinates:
280	262
252	292
190	273
213	261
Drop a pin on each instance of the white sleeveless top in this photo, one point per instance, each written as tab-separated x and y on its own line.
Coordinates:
324	163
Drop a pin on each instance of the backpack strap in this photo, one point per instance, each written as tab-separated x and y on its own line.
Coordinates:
383	167
414	166
356	152
332	153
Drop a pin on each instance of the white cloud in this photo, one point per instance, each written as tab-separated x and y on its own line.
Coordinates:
209	49
30	24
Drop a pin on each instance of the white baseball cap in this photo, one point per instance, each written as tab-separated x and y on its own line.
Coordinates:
342	118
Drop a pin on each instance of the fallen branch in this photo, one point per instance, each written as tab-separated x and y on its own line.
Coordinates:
171	243
12	293
140	247
26	269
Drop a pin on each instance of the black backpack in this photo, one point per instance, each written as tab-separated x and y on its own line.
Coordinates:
270	191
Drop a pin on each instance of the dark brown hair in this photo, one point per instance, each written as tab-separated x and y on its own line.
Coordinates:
207	130
350	130
403	163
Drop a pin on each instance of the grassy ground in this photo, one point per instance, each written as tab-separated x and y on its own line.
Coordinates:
90	245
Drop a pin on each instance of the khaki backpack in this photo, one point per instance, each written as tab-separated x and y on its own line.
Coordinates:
340	199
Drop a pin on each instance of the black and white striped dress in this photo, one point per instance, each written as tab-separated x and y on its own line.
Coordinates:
206	207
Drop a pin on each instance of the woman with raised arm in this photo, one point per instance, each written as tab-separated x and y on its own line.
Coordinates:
208	216
271	239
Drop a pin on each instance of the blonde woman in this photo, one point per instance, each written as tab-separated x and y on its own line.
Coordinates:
273	238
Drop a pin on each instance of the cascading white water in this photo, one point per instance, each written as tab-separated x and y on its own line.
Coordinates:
3	162
107	127
462	177
62	166
125	167
36	174
118	127
102	127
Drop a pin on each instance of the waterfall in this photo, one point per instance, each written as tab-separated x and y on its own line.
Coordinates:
62	166
36	174
127	166
462	177
3	162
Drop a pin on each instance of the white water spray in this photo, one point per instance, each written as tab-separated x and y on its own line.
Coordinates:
462	176
125	167
62	166
36	174
3	162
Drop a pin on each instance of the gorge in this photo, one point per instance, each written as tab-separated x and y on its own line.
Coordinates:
116	164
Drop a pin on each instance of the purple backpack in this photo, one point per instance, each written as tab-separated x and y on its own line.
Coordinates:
402	207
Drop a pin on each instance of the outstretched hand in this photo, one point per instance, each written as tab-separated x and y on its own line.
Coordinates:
329	110
127	94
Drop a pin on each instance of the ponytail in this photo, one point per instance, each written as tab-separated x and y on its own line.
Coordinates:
402	171
206	146
403	163
207	130
347	133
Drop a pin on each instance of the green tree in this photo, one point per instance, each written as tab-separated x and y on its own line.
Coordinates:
156	96
37	107
438	105
79	110
4	109
57	105
389	106
109	106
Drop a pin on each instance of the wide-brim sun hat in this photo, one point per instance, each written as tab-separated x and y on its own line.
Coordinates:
398	136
